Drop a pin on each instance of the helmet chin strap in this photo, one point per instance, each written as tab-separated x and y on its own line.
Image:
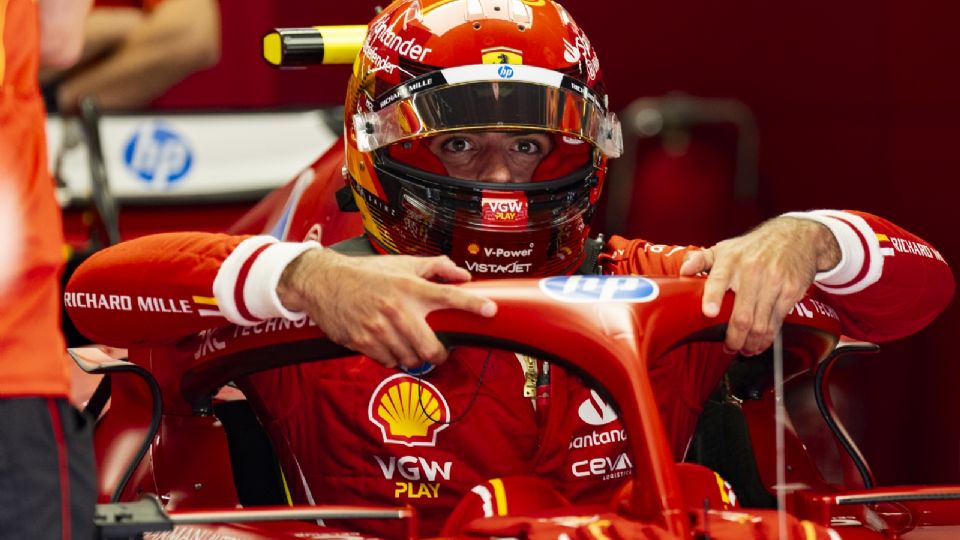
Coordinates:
591	256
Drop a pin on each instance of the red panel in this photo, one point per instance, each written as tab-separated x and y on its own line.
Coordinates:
241	78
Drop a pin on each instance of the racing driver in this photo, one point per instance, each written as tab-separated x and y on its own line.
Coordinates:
480	130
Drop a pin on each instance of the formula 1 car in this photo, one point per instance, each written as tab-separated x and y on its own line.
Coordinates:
162	437
173	460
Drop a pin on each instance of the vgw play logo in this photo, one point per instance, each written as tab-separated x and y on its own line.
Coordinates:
158	155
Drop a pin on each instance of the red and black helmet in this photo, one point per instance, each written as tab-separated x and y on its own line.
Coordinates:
429	67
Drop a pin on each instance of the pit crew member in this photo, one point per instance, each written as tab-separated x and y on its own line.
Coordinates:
46	455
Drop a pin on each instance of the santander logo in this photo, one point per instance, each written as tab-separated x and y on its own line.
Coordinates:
570	52
595	411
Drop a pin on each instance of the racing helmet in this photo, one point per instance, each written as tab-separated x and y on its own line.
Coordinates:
434	67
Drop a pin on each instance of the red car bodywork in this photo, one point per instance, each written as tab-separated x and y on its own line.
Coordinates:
188	466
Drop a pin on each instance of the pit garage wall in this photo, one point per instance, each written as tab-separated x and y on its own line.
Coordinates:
858	106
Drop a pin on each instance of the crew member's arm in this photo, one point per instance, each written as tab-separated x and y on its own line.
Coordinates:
174	40
61	31
158	289
886	282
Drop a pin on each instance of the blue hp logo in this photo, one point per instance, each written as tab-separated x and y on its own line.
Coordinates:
631	289
505	72
157	154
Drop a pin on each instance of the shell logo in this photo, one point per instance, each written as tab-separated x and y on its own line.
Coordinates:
473	248
408	411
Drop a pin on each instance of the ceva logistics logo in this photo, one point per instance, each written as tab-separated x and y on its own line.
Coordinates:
629	289
408	411
158	155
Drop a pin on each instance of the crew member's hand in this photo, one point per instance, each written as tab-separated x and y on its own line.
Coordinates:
377	305
770	268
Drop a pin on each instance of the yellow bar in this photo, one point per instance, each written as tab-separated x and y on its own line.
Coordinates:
500	495
273	48
287	47
341	44
210	300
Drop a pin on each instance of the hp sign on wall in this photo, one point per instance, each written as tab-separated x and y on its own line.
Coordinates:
158	155
630	289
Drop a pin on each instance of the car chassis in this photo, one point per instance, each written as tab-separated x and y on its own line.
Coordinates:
161	440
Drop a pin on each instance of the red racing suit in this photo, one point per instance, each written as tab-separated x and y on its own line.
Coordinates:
350	431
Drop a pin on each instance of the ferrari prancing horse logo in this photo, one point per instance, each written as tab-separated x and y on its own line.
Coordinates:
501	55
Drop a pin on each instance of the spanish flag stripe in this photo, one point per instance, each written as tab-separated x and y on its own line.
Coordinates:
210	300
809	531
882	237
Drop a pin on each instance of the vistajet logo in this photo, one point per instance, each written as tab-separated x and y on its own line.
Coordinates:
489	268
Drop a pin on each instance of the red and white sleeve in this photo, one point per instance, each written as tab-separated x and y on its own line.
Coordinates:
889	283
160	288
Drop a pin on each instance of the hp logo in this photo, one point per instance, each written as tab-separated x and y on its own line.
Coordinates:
630	289
158	155
505	72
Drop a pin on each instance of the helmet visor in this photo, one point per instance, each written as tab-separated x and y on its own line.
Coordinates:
501	105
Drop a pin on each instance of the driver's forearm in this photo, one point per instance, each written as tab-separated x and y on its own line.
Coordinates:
177	39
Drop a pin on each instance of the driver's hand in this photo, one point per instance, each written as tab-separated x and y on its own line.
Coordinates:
377	305
770	268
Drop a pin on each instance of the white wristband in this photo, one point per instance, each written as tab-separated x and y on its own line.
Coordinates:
860	261
260	289
246	284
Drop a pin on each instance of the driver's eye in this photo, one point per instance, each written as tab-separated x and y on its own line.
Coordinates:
528	147
457	145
